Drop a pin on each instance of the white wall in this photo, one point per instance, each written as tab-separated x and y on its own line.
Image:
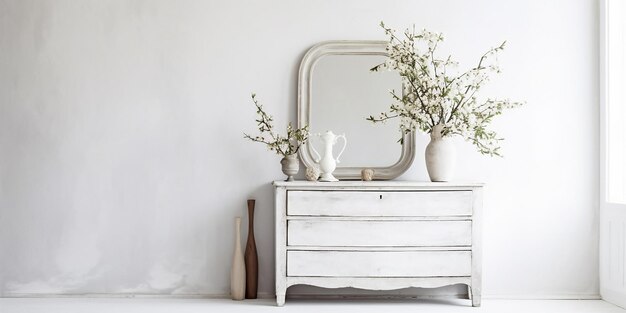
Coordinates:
122	162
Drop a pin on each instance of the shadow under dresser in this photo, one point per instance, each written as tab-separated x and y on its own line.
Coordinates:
379	235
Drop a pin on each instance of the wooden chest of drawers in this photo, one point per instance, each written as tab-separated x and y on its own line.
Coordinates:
377	235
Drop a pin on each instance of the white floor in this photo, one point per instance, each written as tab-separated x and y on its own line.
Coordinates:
158	305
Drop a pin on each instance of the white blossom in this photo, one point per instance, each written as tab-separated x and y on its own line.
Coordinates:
435	93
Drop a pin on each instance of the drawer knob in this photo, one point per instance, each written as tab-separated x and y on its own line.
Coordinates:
381	197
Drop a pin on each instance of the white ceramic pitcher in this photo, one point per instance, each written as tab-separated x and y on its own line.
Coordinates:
328	162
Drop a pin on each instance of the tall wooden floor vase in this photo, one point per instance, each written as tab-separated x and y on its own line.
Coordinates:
252	262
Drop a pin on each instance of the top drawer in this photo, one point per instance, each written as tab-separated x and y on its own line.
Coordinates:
379	203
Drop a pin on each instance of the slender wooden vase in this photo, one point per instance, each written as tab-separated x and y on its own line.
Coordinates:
238	269
252	262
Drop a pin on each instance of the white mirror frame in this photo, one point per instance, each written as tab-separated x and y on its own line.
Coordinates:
346	47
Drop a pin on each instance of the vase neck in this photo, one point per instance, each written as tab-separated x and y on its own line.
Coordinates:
250	220
251	203
436	132
237	230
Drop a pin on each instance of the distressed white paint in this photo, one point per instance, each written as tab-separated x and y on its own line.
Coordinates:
280	243
378	263
476	286
307	242
122	163
311	232
379	203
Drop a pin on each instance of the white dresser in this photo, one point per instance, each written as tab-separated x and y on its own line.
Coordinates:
379	235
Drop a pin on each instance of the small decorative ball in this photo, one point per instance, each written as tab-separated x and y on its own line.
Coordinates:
312	173
367	174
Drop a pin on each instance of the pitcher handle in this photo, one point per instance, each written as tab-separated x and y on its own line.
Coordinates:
316	157
345	143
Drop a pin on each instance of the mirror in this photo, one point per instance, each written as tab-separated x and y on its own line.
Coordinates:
337	92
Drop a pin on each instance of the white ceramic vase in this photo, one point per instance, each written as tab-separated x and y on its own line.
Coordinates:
327	162
440	156
238	268
290	166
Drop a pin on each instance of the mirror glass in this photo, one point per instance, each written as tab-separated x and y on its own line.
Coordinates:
344	92
337	92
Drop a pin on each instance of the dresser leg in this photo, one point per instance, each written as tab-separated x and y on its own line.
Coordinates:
475	296
280	299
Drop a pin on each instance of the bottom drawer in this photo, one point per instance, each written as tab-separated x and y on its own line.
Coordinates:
379	263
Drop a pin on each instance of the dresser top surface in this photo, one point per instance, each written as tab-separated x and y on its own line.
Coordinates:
375	184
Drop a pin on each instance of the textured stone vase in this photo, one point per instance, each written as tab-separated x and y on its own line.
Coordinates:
290	166
238	268
250	256
440	156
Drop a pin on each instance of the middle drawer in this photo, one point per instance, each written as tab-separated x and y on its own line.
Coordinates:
335	233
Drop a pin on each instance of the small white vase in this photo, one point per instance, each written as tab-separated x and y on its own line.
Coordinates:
440	156
290	166
238	269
